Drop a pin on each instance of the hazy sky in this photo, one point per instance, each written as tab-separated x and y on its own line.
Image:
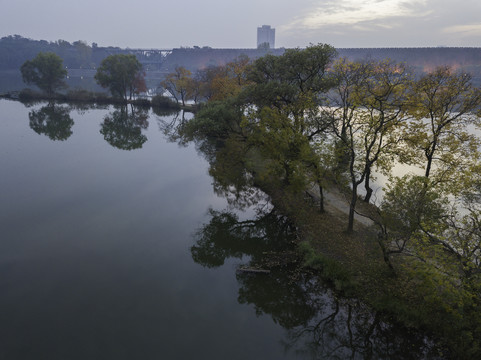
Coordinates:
225	23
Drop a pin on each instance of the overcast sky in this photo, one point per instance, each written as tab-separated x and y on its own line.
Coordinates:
233	24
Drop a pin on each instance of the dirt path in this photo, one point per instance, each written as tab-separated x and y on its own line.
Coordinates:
334	200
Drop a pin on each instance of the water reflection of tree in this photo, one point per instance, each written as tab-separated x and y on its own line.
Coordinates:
227	237
318	324
52	120
347	329
170	124
122	128
82	108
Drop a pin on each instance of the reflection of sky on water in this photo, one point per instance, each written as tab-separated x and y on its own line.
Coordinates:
95	260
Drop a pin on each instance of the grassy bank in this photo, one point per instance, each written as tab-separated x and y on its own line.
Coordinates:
354	265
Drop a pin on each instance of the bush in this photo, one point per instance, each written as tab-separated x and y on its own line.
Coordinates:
141	103
331	270
160	101
80	95
29	94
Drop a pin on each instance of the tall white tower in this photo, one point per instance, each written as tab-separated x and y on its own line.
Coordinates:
266	36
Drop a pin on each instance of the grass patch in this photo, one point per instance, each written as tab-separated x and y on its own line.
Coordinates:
331	271
354	265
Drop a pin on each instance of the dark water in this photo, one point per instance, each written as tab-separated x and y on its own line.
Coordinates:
108	250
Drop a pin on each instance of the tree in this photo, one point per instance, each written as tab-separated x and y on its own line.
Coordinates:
366	109
444	105
284	94
221	82
284	81
45	71
441	234
206	78
178	83
122	74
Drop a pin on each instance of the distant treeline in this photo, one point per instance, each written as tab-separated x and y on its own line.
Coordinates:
15	50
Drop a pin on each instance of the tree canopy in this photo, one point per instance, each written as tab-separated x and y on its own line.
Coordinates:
45	71
178	83
122	74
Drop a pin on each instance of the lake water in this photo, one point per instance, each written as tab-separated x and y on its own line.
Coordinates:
113	245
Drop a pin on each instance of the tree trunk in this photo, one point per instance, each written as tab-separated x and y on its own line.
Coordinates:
382	237
367	186
429	156
321	198
182	96
352	208
428	166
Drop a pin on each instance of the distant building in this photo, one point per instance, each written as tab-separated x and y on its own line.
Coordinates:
266	37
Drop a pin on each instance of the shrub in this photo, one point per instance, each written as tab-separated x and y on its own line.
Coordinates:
160	101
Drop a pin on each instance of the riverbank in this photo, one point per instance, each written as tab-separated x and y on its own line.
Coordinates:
353	264
89	97
415	291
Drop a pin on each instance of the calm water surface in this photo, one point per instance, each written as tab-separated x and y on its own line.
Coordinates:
108	250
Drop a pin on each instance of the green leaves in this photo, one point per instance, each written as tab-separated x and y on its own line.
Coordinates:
444	106
45	71
280	81
122	74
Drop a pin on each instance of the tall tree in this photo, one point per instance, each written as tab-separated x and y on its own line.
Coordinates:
221	82
366	108
282	82
45	71
178	83
284	96
285	117
122	74
444	106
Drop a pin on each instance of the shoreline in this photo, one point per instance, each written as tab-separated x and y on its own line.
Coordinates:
87	97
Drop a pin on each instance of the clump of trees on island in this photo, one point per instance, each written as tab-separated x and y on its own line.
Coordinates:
317	119
122	74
